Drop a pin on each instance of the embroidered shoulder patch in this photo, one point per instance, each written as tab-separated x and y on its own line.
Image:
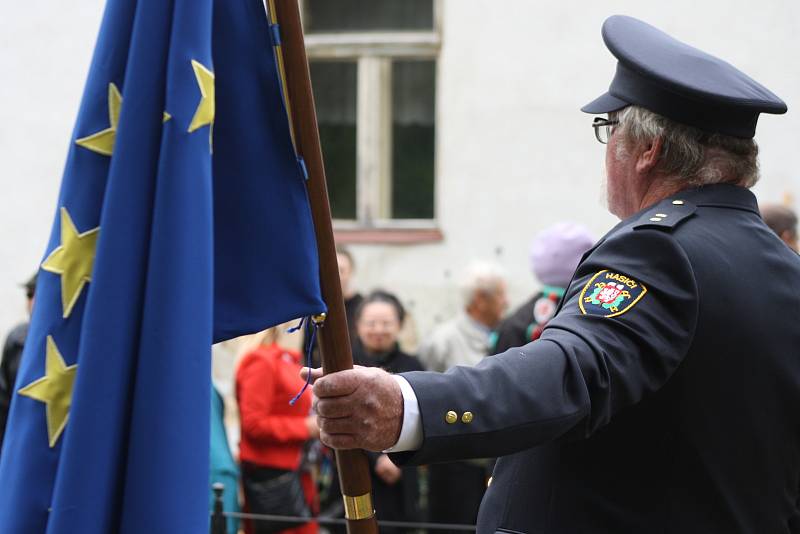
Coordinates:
610	294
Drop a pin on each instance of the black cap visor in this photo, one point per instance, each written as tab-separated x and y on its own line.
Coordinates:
605	103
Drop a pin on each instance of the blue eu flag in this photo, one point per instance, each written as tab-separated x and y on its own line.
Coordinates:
182	219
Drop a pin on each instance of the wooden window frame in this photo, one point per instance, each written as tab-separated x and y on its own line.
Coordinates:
373	53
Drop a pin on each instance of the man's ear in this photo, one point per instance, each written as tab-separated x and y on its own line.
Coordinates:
648	158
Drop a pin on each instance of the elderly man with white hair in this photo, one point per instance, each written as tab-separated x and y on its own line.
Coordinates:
464	340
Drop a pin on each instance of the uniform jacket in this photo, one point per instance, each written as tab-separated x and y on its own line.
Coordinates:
662	397
273	431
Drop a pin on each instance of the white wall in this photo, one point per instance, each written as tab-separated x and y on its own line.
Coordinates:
514	152
45	49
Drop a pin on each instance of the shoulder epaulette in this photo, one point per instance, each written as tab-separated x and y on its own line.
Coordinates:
667	214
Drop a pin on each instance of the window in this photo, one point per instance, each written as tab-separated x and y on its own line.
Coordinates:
335	97
373	69
321	16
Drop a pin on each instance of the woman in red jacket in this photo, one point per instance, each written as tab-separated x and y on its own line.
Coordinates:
274	433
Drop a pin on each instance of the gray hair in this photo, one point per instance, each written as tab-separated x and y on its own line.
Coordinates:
480	277
690	155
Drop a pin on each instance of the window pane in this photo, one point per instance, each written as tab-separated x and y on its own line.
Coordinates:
413	129
367	15
334	85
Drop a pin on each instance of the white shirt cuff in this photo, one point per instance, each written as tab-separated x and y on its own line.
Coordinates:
411	432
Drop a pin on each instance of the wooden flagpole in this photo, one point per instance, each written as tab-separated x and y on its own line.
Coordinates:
354	475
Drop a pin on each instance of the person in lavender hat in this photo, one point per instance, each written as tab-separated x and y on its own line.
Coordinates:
554	255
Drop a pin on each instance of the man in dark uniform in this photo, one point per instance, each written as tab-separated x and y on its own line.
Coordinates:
664	394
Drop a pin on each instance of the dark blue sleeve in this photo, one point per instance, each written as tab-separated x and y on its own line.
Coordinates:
597	356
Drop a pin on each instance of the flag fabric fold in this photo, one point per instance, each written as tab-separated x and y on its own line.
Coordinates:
182	219
255	137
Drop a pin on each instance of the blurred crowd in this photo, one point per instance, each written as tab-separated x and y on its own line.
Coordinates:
264	441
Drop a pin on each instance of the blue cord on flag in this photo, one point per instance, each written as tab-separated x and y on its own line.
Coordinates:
294	329
312	326
303	167
275	33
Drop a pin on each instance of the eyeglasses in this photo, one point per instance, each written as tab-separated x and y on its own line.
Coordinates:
603	128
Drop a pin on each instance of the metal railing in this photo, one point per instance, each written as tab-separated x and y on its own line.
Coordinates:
219	515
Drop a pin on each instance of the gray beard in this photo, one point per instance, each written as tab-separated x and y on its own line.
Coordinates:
602	193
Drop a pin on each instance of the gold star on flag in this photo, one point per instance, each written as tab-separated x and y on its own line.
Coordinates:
204	115
73	260
54	389
102	142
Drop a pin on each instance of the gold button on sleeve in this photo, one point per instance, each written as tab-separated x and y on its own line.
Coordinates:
467	418
451	417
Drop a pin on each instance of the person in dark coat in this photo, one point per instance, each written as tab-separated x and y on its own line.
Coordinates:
555	253
378	321
12	354
662	396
